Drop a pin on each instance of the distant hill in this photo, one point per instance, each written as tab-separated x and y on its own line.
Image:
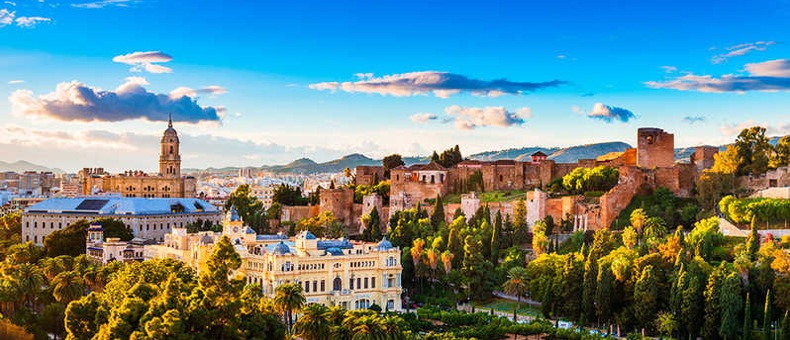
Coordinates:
560	155
22	166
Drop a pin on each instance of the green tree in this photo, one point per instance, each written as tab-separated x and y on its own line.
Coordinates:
781	155
289	298
496	235
710	329
731	303
667	323
646	298
520	227
753	241
313	325
67	241
391	162
753	150
517	285
52	320
589	287
767	315
437	218
786	327
67	286
114	228
747	320
604	292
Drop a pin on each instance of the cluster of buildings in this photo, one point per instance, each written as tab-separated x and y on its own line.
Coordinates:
351	274
648	166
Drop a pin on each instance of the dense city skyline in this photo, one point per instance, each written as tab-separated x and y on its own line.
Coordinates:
254	84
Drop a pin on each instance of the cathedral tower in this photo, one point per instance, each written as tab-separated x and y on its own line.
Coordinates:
170	159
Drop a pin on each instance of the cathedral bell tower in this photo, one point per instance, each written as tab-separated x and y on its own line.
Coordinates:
169	158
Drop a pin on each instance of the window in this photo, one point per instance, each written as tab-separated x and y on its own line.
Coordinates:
366	283
359	283
315	286
306	286
351	283
337	284
373	282
323	286
501	178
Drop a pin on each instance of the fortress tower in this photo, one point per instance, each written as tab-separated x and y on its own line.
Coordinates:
655	148
169	158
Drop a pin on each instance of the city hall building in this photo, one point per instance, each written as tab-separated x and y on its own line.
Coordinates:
350	274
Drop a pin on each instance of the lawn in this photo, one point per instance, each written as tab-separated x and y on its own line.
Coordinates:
503	305
489	196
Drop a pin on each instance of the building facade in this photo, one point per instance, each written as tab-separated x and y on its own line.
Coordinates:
351	274
147	218
168	183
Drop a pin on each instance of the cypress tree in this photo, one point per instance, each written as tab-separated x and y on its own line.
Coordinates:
438	213
786	327
603	293
571	288
747	320
710	329
731	303
767	316
496	235
546	303
646	298
753	242
589	287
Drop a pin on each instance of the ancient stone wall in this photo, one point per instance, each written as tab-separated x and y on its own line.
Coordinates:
369	175
340	202
703	157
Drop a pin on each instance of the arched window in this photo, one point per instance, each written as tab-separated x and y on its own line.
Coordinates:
337	284
171	149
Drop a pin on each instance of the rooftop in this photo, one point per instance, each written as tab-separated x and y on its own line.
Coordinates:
122	206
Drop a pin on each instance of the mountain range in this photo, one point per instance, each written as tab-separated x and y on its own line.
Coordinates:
22	166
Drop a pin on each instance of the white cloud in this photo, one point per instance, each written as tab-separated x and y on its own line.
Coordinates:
10	3
773	75
441	84
74	101
610	113
148	61
742	49
31	21
12	82
770	129
6	17
212	90
669	69
104	3
469	118
422	117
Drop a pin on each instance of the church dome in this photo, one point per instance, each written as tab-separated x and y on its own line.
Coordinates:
281	249
307	235
232	215
384	244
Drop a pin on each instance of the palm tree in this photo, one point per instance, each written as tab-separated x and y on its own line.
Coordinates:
30	280
67	287
51	267
288	298
369	328
394	328
447	260
517	285
313	325
433	261
417	249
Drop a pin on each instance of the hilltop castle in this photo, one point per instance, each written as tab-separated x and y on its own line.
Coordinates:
168	183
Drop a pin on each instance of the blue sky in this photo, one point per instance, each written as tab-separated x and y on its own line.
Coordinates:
263	82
